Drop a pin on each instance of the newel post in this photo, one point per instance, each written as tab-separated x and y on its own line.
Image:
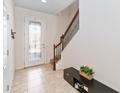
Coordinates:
54	61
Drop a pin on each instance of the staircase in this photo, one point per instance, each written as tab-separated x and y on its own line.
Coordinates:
65	39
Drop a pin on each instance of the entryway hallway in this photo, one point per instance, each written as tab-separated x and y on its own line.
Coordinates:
41	79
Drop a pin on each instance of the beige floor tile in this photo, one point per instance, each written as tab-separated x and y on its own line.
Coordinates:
41	79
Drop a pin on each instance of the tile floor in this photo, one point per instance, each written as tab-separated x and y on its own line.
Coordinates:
41	79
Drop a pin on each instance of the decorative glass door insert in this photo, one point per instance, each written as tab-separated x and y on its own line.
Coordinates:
34	52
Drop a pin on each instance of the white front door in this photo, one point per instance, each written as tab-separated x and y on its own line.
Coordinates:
34	42
5	51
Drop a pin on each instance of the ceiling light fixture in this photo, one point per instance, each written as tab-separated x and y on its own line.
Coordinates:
44	1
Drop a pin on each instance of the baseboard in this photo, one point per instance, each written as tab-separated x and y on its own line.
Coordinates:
18	68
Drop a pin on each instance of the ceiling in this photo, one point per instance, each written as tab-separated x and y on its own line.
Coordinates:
52	6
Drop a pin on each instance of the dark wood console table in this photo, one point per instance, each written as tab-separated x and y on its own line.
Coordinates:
72	76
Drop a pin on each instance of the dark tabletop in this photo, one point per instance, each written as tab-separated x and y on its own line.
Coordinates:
94	86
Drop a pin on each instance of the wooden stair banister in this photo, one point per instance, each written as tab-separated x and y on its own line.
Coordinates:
54	64
59	47
63	35
70	24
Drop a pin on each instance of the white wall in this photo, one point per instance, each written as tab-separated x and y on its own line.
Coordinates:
97	42
11	59
49	20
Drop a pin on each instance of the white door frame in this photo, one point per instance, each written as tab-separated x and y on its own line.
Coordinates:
6	51
43	27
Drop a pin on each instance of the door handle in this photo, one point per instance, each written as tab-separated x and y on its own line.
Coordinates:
43	45
4	67
7	52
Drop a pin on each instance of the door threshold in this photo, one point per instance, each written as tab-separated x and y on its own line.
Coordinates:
34	66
